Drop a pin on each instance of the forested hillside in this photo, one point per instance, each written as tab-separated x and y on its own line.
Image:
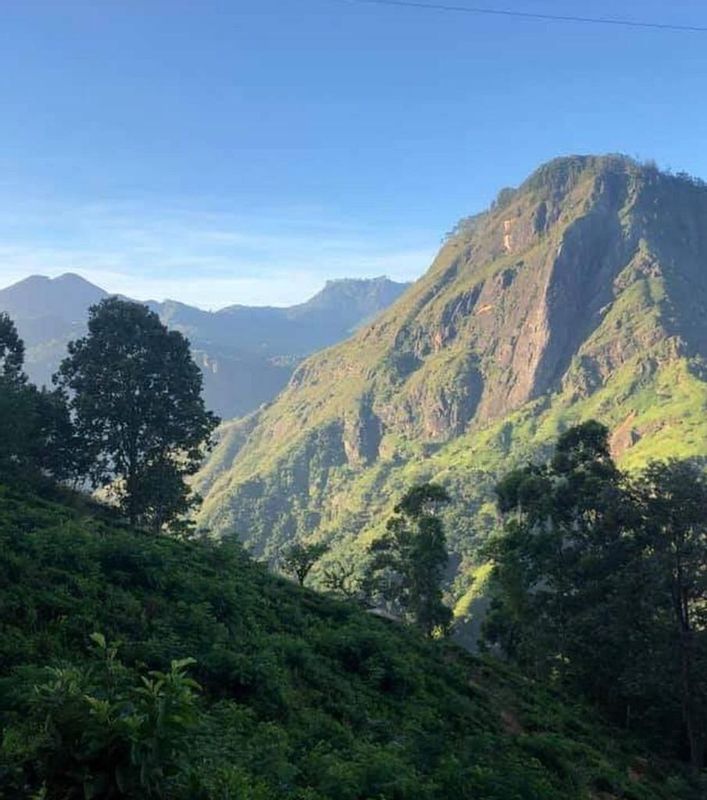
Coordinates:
294	694
141	658
579	295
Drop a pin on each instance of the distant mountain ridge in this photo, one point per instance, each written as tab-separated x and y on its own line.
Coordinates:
583	293
247	354
329	316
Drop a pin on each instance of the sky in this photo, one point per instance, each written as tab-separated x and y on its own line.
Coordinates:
233	151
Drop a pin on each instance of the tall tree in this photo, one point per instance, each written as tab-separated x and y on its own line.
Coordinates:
600	581
562	543
135	396
408	562
673	498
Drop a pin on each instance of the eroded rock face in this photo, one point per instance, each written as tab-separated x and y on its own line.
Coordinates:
624	436
539	276
362	434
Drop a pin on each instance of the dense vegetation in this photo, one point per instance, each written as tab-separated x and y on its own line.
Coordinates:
600	583
137	664
298	695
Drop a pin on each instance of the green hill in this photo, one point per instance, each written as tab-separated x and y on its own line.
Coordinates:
580	294
301	696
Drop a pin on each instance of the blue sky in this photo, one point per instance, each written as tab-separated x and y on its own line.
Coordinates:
231	151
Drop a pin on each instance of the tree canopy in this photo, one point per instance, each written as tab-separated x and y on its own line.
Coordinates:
409	560
36	439
135	397
12	352
601	582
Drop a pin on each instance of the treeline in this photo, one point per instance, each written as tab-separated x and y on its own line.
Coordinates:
600	584
125	415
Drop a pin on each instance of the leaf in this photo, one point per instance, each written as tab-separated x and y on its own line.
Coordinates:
181	663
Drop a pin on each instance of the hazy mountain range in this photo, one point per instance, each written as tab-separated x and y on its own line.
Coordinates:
247	354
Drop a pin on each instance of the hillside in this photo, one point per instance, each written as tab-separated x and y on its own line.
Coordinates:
246	354
580	294
301	696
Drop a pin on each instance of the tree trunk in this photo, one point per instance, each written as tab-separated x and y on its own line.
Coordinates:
695	736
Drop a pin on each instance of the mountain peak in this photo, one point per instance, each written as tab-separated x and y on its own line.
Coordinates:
66	296
72	279
580	293
349	301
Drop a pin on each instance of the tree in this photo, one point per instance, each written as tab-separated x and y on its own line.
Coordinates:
409	560
560	608
299	560
673	500
342	579
35	429
12	353
600	582
135	396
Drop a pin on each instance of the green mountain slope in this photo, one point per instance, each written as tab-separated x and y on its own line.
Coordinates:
302	696
246	354
580	294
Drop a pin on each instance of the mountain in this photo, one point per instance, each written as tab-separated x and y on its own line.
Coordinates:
246	354
296	696
48	314
583	293
328	317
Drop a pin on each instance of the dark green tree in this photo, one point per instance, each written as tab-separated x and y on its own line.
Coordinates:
342	579
299	560
35	429
600	583
673	501
408	562
561	608
12	352
135	397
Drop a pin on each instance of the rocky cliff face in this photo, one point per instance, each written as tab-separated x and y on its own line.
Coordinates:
581	293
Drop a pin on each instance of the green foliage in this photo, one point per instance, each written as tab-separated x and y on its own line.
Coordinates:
36	437
342	579
672	497
409	560
12	352
600	585
301	697
135	397
103	735
299	560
